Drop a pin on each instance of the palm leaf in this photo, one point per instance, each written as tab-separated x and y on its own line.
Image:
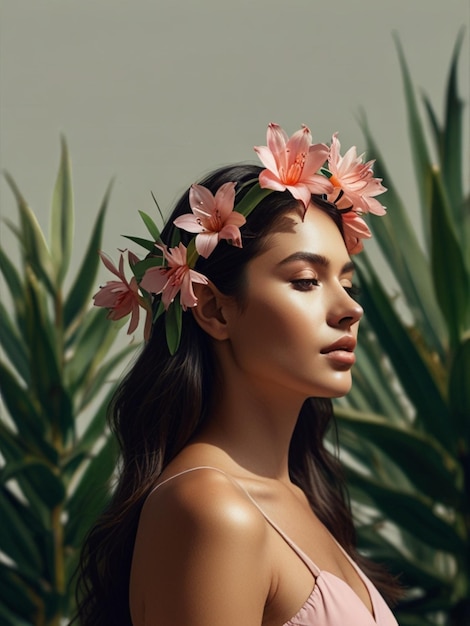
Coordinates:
439	473
84	283
447	260
61	222
34	246
91	494
419	149
452	138
397	343
405	258
13	345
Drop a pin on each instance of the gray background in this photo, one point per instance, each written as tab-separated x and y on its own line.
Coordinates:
156	93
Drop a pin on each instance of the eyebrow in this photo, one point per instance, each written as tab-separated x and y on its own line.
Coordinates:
316	259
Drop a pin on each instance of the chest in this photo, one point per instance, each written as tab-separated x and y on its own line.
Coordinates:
307	563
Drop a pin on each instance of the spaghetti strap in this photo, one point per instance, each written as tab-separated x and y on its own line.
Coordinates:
332	601
305	559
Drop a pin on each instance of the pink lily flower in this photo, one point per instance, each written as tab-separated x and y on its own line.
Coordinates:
213	218
121	296
176	277
355	229
355	180
292	164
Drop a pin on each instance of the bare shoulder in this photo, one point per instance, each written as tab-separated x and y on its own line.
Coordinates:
201	546
206	499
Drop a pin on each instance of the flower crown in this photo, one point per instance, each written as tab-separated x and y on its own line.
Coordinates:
295	164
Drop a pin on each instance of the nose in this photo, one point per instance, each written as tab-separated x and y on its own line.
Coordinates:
345	312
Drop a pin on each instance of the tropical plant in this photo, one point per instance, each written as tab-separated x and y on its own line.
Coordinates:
405	427
55	453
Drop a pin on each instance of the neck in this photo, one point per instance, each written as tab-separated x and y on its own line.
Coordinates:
253	425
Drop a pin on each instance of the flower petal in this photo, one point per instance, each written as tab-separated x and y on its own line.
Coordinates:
269	180
134	322
298	146
352	223
187	296
317	184
206	243
302	193
154	280
317	155
231	233
169	294
189	223
267	159
108	295
109	264
375	207
276	138
355	179
235	218
225	199
201	198
197	277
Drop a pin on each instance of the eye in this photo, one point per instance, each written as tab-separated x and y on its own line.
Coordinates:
305	284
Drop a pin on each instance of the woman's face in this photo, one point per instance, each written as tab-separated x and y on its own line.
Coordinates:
298	327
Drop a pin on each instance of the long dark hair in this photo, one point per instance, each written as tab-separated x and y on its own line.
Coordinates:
163	401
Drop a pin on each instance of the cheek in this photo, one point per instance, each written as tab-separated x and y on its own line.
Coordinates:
281	321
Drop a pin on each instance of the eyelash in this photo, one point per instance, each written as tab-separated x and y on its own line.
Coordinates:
305	284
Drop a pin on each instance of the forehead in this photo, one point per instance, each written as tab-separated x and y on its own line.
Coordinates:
316	234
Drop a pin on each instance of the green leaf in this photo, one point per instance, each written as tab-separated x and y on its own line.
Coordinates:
45	366
427	465
13	345
15	286
17	607
84	283
371	379
414	512
415	569
16	540
451	280
145	243
459	393
91	493
98	381
46	483
35	249
26	415
453	147
414	375
252	199
438	133
61	223
412	619
14	449
95	338
421	158
173	324
406	260
151	226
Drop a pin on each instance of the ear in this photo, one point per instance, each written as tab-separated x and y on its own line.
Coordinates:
208	312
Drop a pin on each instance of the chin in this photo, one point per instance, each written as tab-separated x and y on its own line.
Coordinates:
335	391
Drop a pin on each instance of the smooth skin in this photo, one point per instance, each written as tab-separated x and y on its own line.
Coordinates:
204	555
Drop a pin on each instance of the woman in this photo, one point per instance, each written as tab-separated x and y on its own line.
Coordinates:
229	510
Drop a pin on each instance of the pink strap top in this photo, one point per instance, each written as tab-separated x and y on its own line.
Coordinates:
332	601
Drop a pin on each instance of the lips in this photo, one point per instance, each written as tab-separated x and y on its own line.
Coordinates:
345	344
340	354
